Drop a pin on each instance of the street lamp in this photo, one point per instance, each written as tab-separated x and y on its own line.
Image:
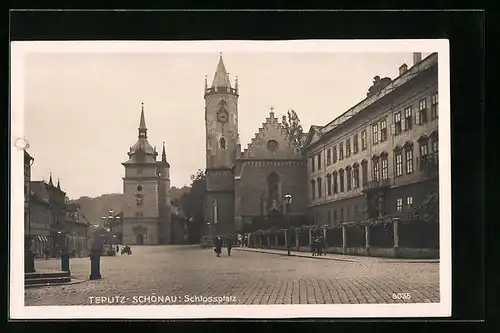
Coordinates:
108	220
288	201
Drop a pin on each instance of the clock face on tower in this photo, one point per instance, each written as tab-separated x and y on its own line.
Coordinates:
222	116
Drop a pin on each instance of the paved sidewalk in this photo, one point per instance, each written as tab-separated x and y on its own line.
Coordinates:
338	257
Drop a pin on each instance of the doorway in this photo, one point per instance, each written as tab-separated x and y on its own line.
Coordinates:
139	239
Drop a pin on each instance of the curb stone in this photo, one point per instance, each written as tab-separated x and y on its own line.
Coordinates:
376	259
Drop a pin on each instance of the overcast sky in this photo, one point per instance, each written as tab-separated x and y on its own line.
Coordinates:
82	110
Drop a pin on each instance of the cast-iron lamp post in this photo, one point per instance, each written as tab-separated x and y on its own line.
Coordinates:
288	201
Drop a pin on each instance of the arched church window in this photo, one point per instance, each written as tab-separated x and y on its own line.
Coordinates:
222	143
273	188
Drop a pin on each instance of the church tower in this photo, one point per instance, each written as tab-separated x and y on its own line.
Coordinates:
222	145
164	205
141	191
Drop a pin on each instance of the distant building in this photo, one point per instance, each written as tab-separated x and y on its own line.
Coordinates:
57	201
146	187
179	225
77	230
40	218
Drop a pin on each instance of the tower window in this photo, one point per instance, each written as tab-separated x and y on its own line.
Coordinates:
222	143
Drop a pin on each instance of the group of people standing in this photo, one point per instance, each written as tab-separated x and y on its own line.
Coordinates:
125	250
317	246
219	243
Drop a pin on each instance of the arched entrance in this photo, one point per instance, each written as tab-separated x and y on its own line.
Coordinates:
139	232
139	239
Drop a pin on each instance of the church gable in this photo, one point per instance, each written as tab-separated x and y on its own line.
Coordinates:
271	142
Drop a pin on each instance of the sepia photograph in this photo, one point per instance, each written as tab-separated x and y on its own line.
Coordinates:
230	179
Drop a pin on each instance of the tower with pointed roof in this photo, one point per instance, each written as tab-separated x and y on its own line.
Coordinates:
146	218
221	120
165	219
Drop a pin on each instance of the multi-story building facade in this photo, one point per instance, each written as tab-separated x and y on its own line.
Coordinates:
40	219
372	160
57	202
28	162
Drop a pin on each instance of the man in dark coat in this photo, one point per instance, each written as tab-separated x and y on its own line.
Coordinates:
218	245
229	245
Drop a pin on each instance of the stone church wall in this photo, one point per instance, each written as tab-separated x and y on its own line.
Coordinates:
254	180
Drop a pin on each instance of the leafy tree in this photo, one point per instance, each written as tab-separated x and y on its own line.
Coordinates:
192	203
293	128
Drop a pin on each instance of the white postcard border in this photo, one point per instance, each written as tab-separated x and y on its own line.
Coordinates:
19	311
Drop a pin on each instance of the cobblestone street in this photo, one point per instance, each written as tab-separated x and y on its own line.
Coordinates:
179	274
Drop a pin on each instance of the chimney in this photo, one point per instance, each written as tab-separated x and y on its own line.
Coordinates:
417	57
403	68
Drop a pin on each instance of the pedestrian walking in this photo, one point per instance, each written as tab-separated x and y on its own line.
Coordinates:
117	249
218	245
46	253
229	245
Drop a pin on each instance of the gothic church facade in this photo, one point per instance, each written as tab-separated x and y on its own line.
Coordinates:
248	184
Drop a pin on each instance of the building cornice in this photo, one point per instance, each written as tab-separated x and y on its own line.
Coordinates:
397	83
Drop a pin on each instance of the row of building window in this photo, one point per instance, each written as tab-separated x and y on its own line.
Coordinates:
349	178
379	133
399	203
349	214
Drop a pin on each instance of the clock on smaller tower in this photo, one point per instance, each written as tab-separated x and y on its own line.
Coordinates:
222	116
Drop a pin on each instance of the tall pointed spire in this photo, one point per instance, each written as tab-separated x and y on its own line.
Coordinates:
163	154
142	125
50	179
221	78
58	185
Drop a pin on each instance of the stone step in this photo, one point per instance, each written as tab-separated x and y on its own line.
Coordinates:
47	281
39	275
